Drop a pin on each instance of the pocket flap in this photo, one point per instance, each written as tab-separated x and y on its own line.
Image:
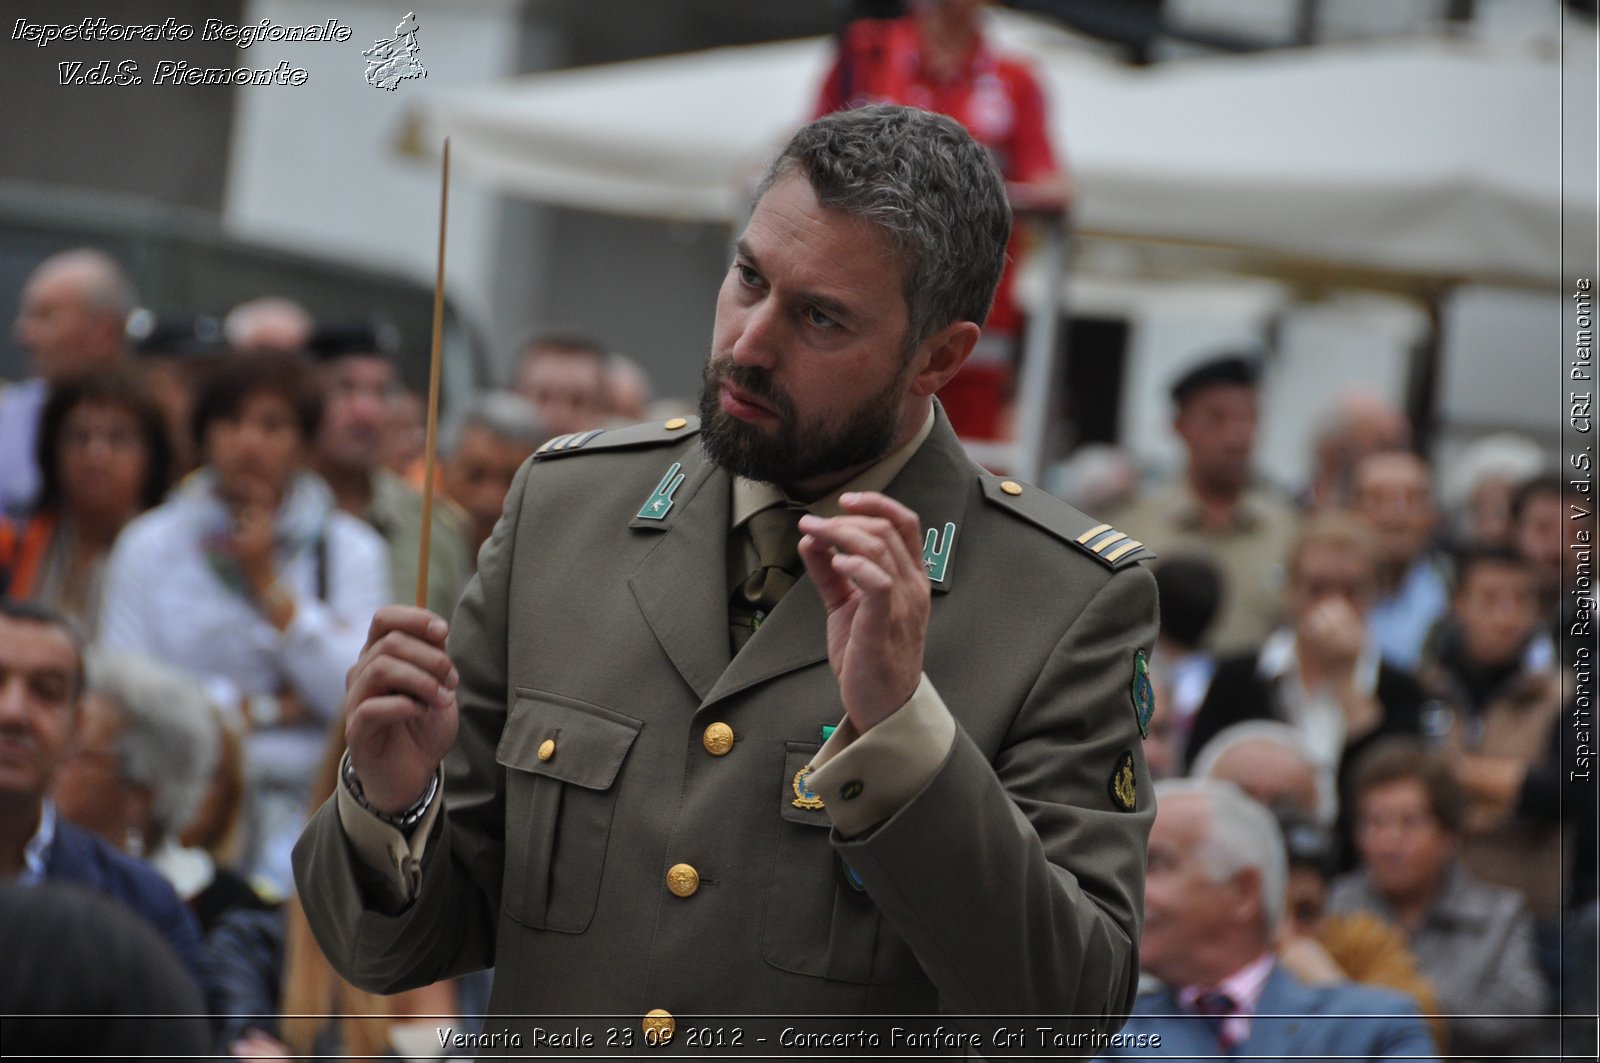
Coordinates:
587	744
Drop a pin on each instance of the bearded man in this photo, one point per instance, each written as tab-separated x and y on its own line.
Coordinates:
791	709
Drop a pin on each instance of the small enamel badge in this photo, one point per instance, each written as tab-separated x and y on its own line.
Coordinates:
804	795
936	551
1122	787
659	504
1143	694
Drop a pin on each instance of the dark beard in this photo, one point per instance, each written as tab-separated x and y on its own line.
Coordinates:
788	455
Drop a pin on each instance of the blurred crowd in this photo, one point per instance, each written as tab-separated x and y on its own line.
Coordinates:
1376	657
200	520
200	516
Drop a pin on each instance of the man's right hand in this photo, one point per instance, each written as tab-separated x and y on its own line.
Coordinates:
400	706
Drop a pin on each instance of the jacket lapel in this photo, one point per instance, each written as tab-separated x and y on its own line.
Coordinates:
682	584
1275	1026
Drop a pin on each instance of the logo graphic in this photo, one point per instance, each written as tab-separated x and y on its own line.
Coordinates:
936	553
659	504
393	61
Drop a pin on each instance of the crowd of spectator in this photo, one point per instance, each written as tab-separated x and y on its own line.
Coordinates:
194	540
1376	659
200	517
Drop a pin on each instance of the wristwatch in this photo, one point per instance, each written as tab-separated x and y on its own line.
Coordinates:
406	820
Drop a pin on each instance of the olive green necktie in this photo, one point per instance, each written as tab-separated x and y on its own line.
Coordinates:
775	532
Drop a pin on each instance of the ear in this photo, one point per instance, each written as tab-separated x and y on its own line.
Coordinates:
1245	888
942	356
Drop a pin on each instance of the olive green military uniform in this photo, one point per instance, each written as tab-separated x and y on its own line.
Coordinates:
628	825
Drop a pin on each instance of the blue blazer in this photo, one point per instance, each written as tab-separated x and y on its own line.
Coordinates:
77	855
1346	1021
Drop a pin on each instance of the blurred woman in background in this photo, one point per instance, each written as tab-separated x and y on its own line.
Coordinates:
104	455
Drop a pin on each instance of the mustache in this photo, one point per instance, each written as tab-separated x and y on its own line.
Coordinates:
754	380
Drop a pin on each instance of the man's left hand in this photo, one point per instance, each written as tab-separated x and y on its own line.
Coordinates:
867	566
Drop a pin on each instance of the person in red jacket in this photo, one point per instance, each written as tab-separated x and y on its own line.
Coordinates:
936	58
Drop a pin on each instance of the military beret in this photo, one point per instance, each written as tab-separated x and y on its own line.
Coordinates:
1235	368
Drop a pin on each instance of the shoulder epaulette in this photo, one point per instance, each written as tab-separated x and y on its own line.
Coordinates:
648	434
1100	541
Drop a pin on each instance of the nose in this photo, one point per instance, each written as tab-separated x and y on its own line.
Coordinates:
759	335
12	698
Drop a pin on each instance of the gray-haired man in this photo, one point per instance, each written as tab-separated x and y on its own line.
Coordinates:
912	787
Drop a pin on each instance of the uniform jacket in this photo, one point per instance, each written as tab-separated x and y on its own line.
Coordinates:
1012	882
1292	1021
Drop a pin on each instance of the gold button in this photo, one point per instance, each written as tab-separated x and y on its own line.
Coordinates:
718	739
1011	487
547	749
675	424
683	880
659	1026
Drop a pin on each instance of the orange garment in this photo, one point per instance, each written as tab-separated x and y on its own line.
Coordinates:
1370	951
23	546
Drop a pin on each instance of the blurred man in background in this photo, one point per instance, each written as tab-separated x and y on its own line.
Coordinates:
41	687
1215	508
74	312
359	384
1393	492
484	446
564	376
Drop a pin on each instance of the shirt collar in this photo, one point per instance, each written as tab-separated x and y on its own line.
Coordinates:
751	497
1277	659
1186	511
35	855
1243	987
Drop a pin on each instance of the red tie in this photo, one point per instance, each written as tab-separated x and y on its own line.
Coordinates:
1218	1007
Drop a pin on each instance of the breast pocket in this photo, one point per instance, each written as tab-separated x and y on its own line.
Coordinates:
562	759
816	921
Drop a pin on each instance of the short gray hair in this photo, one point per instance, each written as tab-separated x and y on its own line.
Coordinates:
502	413
924	180
1283	736
1240	834
170	740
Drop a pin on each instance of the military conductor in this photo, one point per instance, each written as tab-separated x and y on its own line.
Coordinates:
790	709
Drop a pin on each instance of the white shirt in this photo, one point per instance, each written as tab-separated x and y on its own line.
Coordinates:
1317	714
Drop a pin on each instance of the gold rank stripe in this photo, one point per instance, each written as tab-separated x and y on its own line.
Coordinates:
1130	545
1092	532
1100	546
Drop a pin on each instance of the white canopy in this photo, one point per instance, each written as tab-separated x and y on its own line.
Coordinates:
1419	156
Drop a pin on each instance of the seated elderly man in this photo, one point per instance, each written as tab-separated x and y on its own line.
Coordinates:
41	687
1271	763
148	743
1214	897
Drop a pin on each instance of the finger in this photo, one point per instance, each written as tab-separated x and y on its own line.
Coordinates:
409	619
865	574
872	504
832	587
375	714
870	537
414	651
392	675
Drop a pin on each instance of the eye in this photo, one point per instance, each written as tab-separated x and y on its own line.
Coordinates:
747	276
817	319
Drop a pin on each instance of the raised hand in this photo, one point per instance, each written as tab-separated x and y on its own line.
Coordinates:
867	565
400	706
